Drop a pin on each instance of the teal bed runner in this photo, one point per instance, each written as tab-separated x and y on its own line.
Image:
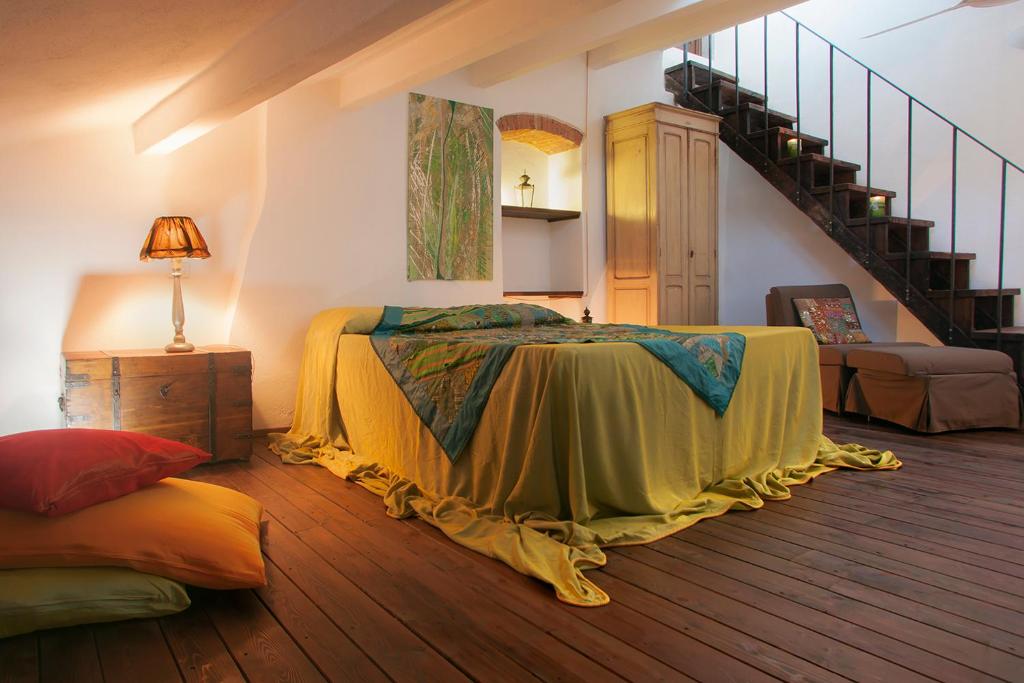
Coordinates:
446	360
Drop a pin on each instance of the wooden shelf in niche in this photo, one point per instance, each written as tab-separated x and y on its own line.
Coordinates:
549	215
567	294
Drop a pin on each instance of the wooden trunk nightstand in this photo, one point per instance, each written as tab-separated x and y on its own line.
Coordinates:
202	398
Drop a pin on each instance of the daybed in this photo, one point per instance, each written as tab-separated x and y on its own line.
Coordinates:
921	387
579	446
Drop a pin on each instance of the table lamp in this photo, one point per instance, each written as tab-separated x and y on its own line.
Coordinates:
175	237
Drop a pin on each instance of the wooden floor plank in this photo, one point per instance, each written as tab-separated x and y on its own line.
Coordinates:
323	642
785	624
1011	560
19	659
947	505
965	579
132	651
869	526
263	650
832	558
198	649
68	655
874	610
645	612
396	649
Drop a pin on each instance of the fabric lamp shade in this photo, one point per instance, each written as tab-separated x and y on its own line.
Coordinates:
174	237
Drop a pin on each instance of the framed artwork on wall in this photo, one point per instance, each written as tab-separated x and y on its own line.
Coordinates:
451	190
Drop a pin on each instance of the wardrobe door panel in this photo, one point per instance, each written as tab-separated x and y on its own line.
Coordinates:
672	218
633	234
702	210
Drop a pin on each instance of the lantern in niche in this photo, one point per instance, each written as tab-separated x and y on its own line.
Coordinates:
525	188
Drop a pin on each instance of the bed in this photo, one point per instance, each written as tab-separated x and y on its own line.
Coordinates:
579	446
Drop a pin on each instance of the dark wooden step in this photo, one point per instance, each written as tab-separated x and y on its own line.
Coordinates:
857	189
930	270
971	293
722	94
850	200
1010	342
789	133
977	309
698	74
931	256
774	142
889	238
751	118
1016	333
816	170
892	220
820	159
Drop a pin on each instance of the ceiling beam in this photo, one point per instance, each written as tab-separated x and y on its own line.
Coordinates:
633	27
687	23
429	51
307	38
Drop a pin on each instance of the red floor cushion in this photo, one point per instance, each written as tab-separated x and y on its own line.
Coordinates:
57	471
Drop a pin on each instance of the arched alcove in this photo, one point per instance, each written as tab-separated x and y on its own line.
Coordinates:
542	242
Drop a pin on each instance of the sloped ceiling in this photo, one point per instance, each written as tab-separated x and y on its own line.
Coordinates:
66	65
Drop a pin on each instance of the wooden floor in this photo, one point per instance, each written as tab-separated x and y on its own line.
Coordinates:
891	576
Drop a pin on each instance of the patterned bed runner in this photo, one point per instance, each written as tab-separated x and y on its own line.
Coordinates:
446	360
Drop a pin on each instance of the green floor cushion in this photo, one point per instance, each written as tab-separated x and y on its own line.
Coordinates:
34	599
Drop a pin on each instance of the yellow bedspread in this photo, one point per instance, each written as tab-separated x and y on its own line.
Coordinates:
581	446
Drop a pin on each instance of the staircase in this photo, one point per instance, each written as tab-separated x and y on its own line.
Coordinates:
934	286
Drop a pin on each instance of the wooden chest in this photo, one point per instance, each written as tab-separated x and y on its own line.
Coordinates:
202	398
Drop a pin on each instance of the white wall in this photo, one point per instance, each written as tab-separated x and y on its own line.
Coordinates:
74	211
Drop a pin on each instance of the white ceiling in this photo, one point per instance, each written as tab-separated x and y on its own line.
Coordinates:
67	64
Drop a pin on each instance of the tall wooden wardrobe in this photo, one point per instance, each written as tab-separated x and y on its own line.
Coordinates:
662	229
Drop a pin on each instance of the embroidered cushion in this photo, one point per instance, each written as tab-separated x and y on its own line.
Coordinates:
57	471
189	531
35	599
833	321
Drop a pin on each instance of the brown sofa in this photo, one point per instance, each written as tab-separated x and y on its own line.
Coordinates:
926	388
835	373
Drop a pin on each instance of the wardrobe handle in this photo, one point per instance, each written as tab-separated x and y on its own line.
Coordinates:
691	253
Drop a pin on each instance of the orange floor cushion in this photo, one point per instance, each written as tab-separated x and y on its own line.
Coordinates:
189	531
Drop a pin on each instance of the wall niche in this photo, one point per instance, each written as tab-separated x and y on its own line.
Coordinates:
542	240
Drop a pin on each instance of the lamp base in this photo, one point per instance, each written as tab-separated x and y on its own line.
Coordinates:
179	347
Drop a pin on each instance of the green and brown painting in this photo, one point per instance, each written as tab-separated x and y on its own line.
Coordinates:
451	190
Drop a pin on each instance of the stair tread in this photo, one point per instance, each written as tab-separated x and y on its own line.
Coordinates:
1014	331
822	158
698	66
758	108
853	187
789	132
732	86
897	220
937	255
969	293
